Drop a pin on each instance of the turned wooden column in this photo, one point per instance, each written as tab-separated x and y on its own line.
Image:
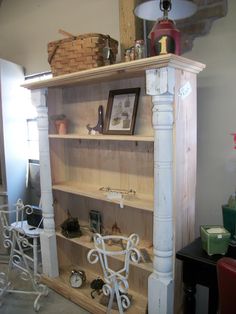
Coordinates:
48	236
160	85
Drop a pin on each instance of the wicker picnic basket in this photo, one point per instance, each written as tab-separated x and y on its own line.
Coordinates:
77	53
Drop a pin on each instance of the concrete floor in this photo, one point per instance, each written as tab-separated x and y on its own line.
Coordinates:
18	303
52	304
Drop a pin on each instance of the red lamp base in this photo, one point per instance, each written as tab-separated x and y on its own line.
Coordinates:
165	38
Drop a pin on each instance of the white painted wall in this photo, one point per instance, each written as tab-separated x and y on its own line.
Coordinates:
216	176
26	26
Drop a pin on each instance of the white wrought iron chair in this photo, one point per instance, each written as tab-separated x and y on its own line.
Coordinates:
22	241
116	281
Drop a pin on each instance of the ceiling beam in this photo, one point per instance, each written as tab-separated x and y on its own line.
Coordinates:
131	27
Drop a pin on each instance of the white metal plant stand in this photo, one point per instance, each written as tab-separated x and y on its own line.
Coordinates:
116	281
20	239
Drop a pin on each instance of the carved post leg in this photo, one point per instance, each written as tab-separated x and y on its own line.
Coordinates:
48	236
160	285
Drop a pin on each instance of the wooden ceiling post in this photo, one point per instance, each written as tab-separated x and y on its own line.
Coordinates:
131	27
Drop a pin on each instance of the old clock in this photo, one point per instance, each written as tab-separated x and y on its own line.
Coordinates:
77	278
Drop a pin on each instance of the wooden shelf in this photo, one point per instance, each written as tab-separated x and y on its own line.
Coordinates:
85	241
80	168
99	137
139	201
118	71
82	295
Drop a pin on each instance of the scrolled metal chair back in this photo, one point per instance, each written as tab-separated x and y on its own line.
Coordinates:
116	281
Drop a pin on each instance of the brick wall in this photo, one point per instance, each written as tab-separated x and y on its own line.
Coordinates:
200	23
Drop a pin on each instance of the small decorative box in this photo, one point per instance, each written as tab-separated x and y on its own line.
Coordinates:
215	239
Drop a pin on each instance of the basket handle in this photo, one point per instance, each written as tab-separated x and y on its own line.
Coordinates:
51	55
62	32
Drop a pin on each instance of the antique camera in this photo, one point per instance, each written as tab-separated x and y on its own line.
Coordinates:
70	228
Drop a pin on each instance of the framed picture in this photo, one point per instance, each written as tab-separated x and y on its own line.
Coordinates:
95	221
121	111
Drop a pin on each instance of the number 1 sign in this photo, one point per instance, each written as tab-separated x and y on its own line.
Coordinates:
165	38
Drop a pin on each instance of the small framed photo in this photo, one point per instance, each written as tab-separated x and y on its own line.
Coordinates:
95	221
121	111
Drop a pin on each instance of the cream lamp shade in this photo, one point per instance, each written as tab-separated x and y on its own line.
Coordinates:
150	10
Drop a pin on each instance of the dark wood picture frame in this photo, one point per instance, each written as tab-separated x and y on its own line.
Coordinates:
121	111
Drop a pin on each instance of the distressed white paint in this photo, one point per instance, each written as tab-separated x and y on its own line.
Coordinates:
160	81
160	84
48	236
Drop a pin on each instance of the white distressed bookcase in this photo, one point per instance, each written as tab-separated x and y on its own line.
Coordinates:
158	161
